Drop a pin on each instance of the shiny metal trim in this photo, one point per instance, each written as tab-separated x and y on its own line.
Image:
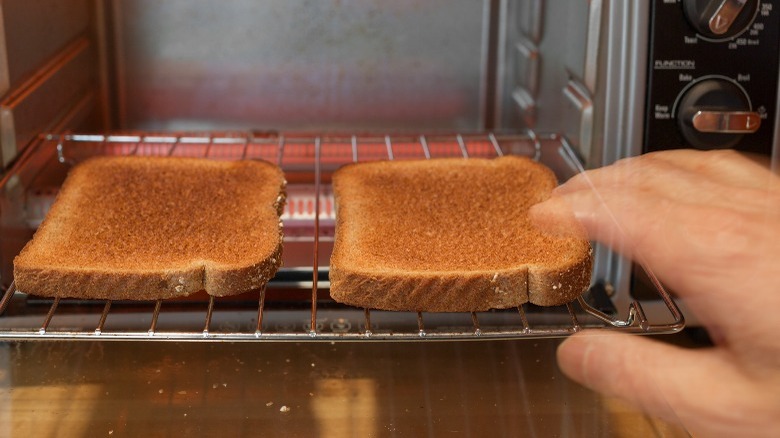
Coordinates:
389	146
103	317
536	20
727	122
424	144
49	316
315	259
260	309
736	35
6	300
581	103
38	103
496	147
209	315
462	146
526	106
592	46
486	67
724	16
156	315
528	59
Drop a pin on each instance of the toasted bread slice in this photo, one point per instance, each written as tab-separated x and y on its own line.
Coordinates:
450	235
143	228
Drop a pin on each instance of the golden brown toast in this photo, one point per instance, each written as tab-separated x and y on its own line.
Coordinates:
143	228
450	235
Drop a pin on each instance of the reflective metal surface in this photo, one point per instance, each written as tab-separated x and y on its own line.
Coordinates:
500	389
42	102
33	31
184	64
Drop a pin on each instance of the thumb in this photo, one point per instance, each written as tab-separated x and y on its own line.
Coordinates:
700	389
624	366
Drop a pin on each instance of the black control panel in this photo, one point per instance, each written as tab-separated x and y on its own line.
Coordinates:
713	74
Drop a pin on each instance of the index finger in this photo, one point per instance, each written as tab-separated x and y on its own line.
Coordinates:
707	254
725	168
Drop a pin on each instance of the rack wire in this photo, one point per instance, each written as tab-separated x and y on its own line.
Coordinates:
310	211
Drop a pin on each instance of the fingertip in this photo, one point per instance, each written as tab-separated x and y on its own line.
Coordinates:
571	354
555	217
641	371
577	182
575	356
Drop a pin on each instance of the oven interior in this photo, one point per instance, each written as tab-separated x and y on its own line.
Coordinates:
310	86
295	304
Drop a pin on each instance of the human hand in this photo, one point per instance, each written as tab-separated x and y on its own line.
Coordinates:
708	225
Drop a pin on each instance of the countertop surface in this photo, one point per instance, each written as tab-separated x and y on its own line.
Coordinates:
361	389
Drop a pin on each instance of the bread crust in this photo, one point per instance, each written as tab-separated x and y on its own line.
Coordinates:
450	235
147	228
430	291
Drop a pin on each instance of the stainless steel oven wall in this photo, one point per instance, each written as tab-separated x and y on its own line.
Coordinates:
549	69
48	69
578	69
300	64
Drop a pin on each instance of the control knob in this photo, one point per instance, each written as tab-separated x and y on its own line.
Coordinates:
720	19
715	114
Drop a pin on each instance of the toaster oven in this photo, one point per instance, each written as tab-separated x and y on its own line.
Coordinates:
311	86
315	85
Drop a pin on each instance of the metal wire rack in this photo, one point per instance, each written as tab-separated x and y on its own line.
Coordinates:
308	161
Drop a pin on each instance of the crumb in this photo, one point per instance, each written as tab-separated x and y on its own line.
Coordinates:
214	386
312	365
160	391
182	392
284	409
110	432
225	385
269	403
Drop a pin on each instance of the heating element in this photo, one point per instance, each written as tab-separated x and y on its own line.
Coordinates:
295	305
